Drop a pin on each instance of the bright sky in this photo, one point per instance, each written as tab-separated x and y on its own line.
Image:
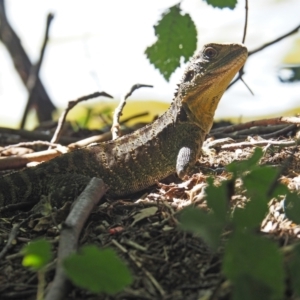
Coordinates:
99	45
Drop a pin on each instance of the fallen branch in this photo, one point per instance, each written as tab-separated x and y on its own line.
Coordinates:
14	162
72	228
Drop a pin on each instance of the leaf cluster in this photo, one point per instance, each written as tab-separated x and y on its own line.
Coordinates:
177	38
252	263
99	271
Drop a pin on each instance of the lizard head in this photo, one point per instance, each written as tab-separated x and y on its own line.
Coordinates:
206	79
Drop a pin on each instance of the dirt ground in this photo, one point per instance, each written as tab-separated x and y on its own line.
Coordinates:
166	263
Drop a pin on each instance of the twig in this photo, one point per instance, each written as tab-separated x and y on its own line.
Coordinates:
102	137
34	73
241	72
139	265
243	134
23	65
13	234
258	143
15	206
13	162
115	129
72	228
33	135
71	104
134	117
29	144
246	21
278	132
263	122
295	30
283	168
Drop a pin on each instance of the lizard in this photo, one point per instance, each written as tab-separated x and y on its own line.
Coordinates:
133	162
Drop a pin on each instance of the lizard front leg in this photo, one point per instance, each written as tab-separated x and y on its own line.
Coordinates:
186	160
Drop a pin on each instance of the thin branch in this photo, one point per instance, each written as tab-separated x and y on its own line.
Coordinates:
34	73
13	162
29	144
71	104
115	129
134	117
258	143
295	30
18	134
263	122
246	21
23	65
241	72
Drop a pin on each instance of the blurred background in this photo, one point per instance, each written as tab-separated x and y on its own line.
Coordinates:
98	45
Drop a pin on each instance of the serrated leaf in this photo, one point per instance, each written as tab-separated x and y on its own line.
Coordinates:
37	254
294	269
217	198
247	288
251	215
254	259
291	205
238	167
222	3
97	270
257	184
207	226
176	37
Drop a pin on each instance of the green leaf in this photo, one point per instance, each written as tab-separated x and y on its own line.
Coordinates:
247	288
238	167
251	215
222	3
250	259
257	182
176	37
217	198
97	270
207	226
294	269
37	254
292	207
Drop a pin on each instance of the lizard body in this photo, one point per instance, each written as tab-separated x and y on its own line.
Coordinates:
135	161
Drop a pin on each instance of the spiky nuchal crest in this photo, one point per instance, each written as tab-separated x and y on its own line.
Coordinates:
170	144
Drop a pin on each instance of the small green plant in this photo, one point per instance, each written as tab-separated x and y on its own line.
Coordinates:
97	270
251	262
92	269
37	255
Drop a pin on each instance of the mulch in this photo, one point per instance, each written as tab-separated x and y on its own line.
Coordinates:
166	263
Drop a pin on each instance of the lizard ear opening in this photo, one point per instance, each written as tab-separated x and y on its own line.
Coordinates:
189	76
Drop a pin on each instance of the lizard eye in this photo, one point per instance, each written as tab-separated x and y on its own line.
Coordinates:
210	52
189	76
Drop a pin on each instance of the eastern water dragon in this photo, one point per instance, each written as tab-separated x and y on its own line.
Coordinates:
170	144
